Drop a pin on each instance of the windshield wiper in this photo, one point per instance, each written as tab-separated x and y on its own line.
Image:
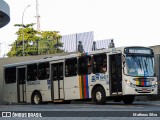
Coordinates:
140	64
145	65
137	61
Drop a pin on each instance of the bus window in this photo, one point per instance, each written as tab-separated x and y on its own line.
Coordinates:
99	63
60	71
84	65
54	72
57	71
43	71
71	67
10	75
32	72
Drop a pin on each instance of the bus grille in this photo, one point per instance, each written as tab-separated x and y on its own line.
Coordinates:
143	82
143	90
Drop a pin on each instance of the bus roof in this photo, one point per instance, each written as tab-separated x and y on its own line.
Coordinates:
63	56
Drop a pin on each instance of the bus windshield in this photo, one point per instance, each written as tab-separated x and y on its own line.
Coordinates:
140	65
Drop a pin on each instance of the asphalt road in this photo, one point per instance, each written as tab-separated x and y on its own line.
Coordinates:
85	110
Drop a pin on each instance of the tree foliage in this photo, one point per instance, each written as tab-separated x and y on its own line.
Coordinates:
35	42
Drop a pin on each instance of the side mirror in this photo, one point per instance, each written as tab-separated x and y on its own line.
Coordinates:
123	60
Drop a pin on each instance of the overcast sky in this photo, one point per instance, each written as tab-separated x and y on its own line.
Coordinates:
128	22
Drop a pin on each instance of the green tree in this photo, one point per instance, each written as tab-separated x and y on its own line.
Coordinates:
50	42
35	42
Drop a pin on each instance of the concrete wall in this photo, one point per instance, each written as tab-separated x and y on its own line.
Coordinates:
157	61
156	49
157	72
157	69
157	66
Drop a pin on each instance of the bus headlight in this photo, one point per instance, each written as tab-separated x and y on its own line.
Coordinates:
128	82
156	83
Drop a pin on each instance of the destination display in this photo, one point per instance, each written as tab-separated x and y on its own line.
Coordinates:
138	50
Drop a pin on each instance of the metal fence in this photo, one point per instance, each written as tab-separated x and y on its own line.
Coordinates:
70	42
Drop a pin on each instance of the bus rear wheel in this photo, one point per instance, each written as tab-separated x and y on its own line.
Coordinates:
128	99
36	98
99	96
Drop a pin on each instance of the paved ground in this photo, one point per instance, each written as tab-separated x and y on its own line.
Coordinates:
139	109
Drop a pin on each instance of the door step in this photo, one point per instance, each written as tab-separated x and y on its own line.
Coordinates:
115	93
58	100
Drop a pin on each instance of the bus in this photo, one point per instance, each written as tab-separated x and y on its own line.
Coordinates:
115	73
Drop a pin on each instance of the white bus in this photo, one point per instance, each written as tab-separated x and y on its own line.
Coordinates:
115	73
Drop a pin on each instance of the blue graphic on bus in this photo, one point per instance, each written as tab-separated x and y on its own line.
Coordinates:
99	76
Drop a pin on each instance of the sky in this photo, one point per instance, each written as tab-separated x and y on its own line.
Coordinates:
128	22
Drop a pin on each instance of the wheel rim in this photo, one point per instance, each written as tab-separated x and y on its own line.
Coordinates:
98	96
36	99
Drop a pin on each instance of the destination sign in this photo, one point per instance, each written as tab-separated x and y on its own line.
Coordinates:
138	50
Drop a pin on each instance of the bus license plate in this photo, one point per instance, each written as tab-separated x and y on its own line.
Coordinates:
144	90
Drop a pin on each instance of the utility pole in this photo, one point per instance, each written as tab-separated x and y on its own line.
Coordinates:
37	16
23	26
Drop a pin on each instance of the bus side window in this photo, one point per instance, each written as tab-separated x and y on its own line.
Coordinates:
10	75
89	65
84	64
71	67
60	70
54	72
43	71
32	72
99	63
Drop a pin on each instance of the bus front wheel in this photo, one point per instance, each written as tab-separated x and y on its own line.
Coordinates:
99	96
128	99
36	98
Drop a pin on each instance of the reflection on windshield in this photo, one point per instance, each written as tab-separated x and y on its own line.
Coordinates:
139	66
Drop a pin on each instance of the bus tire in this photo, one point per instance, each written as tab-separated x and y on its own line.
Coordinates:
128	99
99	96
36	98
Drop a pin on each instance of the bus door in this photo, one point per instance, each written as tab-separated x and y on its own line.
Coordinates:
21	83
57	79
115	66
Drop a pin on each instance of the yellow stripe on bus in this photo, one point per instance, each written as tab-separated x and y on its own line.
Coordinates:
80	87
137	82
